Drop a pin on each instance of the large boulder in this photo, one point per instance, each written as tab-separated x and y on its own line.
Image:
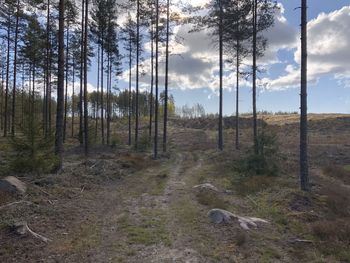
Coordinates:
12	185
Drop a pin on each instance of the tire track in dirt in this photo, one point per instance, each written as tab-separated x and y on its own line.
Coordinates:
175	187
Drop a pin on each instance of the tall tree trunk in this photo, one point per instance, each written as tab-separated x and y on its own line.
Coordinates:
2	97
137	74
108	98
66	92
129	95
7	78
81	114
109	116
15	74
255	125
304	173
22	95
60	87
47	123
102	106
237	94
152	78
33	91
98	88
166	78
73	96
157	82
220	141
86	120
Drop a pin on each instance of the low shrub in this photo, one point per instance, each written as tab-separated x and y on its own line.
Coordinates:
265	160
32	151
144	142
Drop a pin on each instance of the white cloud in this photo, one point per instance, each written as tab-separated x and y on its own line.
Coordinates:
328	50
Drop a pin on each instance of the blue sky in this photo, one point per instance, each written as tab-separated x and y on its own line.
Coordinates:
193	76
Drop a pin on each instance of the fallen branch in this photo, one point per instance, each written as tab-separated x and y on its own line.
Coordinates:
16	203
23	228
297	240
91	167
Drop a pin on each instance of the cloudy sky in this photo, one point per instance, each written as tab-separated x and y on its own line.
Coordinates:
194	68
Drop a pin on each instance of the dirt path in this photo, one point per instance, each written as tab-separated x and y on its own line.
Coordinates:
136	220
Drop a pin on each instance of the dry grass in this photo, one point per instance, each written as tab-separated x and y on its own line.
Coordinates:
338	171
337	230
253	184
211	199
337	199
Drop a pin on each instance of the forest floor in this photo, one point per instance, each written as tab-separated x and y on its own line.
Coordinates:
122	206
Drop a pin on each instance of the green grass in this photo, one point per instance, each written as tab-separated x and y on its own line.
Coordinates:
150	230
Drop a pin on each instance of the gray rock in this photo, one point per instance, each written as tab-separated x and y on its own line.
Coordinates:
12	185
219	216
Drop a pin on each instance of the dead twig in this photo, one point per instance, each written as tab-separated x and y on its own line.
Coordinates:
16	203
23	228
297	240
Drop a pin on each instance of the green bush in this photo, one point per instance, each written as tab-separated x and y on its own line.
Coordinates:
144	142
32	151
266	161
115	140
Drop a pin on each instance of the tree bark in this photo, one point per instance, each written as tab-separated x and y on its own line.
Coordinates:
81	114
220	141
73	98
98	89
7	77
255	126
102	106
157	82
86	120
152	79
66	92
60	87
137	74
304	175
237	96
166	79
47	123
129	95
2	97
15	74
108	98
